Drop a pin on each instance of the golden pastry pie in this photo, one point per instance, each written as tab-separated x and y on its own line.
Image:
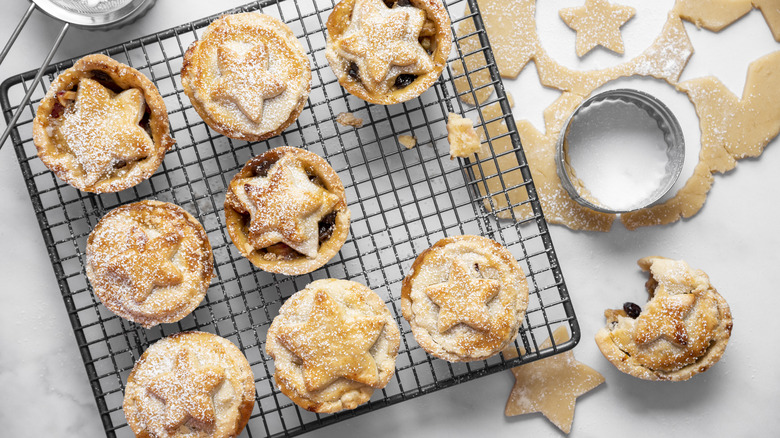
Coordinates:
102	126
388	51
682	331
286	211
190	384
248	77
149	262
465	298
333	343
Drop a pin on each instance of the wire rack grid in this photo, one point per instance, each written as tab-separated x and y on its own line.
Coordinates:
402	201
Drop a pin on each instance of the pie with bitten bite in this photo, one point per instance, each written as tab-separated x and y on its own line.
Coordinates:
682	331
286	211
248	77
388	51
465	298
149	262
102	126
333	343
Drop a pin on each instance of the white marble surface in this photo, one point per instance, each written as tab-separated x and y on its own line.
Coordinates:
44	390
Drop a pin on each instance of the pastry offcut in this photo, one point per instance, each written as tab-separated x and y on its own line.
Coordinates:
286	211
191	384
465	298
387	52
102	126
333	344
682	331
248	77
149	262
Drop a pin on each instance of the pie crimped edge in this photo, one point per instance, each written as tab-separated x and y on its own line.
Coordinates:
194	260
463	343
125	77
238	222
340	20
139	405
356	300
200	73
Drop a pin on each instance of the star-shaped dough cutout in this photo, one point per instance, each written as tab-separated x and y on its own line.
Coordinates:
664	318
104	131
551	385
147	264
285	206
186	392
597	23
333	346
246	80
382	38
463	299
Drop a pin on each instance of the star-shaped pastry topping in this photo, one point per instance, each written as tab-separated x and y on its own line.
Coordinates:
333	346
285	206
103	130
597	23
186	392
379	38
463	299
551	385
664	318
246	80
147	264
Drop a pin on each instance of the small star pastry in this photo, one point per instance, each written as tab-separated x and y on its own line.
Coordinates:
248	77
465	298
387	52
149	262
286	211
597	23
333	343
683	330
191	384
102	126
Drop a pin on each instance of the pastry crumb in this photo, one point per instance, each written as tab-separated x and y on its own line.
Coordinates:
349	119
408	141
463	139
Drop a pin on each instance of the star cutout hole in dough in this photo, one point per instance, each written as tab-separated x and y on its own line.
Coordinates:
463	299
333	345
597	23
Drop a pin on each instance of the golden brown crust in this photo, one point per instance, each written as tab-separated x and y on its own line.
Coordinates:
211	370
333	343
683	330
281	65
465	298
436	30
268	240
117	172
149	262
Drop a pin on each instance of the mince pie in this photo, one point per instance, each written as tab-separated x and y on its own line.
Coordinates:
286	211
465	298
149	262
333	343
682	331
102	126
388	51
248	77
191	384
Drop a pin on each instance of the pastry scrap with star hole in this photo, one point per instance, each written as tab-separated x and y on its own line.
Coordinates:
333	343
190	384
286	211
248	77
682	331
102	126
464	298
149	262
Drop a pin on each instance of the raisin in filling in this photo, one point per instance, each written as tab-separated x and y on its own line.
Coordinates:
403	81
632	310
353	71
105	80
145	121
327	225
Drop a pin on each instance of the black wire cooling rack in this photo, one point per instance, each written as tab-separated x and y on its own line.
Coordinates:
402	201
